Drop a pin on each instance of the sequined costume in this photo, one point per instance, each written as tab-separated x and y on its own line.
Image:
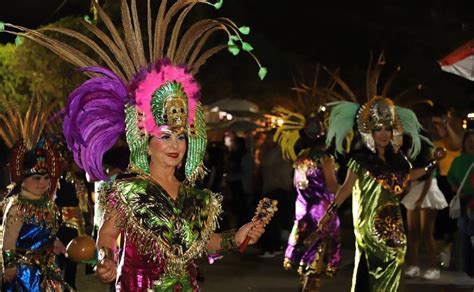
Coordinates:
161	237
312	200
33	257
376	180
301	136
29	226
378	224
147	87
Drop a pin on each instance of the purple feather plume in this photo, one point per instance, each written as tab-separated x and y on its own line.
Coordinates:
95	119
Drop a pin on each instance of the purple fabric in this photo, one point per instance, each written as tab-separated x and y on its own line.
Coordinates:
95	119
310	207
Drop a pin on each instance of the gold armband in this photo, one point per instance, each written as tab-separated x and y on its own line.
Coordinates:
228	240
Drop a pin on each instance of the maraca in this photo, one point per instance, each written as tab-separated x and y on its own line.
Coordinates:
81	249
265	210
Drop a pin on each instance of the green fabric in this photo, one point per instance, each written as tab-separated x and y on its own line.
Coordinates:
180	228
163	215
167	284
457	171
197	142
137	142
379	232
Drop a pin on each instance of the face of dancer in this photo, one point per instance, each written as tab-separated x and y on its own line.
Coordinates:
382	136
168	148
469	144
36	185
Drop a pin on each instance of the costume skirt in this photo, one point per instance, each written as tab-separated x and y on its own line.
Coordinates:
434	199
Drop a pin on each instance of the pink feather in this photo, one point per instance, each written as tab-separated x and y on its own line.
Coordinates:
153	80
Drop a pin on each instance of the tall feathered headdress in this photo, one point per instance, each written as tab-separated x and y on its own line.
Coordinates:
378	110
23	132
307	111
146	83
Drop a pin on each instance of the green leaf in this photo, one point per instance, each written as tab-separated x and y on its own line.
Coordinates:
87	18
234	50
18	40
218	4
230	42
262	73
246	47
234	37
244	30
2	26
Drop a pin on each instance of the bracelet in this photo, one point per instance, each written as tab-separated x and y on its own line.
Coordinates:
332	207
430	166
9	258
105	253
228	240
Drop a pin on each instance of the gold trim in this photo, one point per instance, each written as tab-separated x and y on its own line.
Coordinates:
176	264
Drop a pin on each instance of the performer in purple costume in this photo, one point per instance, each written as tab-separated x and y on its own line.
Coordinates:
301	137
311	203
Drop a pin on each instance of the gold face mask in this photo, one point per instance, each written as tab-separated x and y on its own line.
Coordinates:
175	112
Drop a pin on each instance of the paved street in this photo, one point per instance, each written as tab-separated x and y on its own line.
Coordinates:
248	272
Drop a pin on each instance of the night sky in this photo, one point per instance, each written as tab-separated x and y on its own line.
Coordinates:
290	35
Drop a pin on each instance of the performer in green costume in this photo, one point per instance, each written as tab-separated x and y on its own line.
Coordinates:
378	172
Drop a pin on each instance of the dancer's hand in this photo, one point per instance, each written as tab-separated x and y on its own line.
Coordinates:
106	270
253	230
59	247
418	204
322	225
9	274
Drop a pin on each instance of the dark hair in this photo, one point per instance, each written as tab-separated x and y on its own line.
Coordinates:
464	138
440	110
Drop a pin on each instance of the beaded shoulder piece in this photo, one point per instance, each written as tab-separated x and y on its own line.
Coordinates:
393	182
40	212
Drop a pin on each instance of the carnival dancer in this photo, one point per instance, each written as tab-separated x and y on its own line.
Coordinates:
378	172
149	92
31	219
301	137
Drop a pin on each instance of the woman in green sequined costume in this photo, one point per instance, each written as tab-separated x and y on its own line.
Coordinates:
376	177
165	224
377	174
147	90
